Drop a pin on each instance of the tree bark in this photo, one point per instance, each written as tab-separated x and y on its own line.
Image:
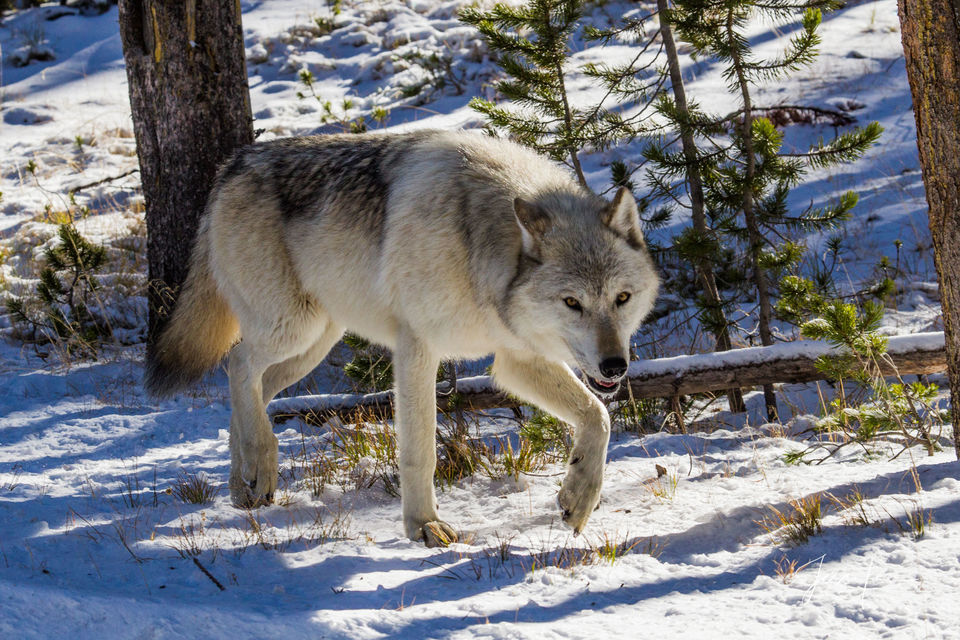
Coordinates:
664	378
191	108
695	188
931	44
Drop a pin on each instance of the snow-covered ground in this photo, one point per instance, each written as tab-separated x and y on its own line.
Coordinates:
93	544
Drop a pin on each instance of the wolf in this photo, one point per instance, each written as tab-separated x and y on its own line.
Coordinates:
435	244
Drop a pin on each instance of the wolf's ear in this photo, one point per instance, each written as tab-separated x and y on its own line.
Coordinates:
622	217
533	222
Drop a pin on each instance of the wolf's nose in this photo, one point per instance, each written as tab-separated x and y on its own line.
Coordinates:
613	367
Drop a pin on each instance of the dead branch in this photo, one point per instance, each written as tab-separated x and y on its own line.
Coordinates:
209	575
97	183
786	362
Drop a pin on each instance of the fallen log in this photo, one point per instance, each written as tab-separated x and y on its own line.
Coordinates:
918	353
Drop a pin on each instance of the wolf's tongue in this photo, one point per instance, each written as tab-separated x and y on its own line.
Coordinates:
606	384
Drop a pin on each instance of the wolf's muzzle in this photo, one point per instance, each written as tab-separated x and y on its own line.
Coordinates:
603	388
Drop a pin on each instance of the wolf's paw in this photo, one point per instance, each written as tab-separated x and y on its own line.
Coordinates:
438	534
244	496
580	494
258	474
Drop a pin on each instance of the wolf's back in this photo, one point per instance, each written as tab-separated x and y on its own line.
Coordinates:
200	331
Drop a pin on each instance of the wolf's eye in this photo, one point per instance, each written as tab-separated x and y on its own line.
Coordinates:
573	303
622	297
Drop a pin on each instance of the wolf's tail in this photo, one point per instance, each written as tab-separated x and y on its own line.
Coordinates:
200	331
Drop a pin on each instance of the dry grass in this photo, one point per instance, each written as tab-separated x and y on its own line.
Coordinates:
504	557
458	455
134	493
918	519
787	569
915	521
795	526
852	508
10	481
188	541
363	454
610	548
254	529
323	525
605	548
309	470
506	461
195	488
664	486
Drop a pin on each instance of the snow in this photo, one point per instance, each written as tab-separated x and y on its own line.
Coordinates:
93	546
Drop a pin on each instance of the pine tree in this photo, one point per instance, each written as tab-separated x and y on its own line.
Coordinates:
65	291
371	366
712	315
900	412
533	45
746	176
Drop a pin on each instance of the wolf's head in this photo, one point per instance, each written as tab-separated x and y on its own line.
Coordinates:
586	282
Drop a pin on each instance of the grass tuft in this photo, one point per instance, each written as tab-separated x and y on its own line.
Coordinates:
787	569
610	548
195	488
917	520
795	526
852	508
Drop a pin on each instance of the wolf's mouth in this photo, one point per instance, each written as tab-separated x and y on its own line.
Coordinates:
603	387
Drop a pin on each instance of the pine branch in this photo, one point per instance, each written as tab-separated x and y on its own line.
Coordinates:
844	148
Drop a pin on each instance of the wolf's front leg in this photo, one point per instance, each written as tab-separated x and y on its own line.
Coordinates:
415	370
553	387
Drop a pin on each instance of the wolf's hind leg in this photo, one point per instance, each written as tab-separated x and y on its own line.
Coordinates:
283	374
553	387
415	370
253	447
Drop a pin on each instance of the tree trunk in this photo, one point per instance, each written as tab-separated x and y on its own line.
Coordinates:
191	108
749	216
695	186
931	45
